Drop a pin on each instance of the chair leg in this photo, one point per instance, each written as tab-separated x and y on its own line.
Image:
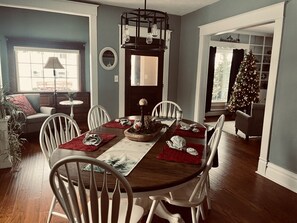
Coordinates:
202	212
53	204
152	211
236	131
195	213
52	212
207	189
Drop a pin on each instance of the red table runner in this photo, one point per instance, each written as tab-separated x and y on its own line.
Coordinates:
77	143
182	156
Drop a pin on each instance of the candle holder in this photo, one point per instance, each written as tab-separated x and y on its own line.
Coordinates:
142	102
146	129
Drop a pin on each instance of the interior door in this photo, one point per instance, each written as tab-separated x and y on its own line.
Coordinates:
143	79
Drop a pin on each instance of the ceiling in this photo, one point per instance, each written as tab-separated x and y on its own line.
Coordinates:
266	28
174	8
171	7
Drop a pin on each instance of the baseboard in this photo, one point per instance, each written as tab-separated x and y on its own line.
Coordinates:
281	176
262	164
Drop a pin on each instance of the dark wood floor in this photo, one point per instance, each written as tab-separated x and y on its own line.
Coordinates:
238	194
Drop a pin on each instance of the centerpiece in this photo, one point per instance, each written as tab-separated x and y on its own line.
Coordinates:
145	129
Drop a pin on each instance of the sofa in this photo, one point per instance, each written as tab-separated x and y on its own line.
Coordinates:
32	112
250	125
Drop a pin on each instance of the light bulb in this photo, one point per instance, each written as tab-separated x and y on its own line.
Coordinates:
126	34
149	38
154	30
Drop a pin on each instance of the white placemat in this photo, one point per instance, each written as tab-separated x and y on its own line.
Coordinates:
126	154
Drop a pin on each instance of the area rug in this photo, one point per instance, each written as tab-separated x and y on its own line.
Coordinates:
229	127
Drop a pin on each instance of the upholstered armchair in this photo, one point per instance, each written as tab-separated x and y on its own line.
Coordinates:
250	125
32	112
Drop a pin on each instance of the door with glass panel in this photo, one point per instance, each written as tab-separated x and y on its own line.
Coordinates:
143	79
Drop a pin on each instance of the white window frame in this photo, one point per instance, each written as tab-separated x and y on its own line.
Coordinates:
54	52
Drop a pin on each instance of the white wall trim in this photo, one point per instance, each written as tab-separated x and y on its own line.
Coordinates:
282	177
273	13
71	8
59	6
143	32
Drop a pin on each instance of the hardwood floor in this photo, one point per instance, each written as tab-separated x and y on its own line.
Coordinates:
238	194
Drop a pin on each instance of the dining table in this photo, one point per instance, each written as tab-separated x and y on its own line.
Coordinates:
156	172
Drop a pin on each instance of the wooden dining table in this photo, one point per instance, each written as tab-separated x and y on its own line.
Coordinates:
151	176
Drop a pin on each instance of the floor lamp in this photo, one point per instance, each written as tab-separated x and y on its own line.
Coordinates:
54	63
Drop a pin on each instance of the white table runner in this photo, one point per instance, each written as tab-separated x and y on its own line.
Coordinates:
126	154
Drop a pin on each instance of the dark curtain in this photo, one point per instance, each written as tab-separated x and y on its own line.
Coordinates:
235	64
211	68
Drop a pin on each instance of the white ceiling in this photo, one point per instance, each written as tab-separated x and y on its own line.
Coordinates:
174	7
266	28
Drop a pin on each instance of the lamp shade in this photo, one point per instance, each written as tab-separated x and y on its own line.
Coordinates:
53	63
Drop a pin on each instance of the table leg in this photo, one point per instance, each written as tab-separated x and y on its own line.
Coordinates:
160	210
71	111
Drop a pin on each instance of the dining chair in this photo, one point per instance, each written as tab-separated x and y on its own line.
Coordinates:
220	122
97	116
56	130
102	201
168	109
194	193
210	130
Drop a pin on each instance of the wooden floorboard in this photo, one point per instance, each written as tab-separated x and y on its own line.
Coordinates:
238	194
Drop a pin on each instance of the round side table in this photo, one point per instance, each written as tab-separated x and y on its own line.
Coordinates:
71	104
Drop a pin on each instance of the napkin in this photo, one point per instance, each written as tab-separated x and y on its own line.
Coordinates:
77	143
180	156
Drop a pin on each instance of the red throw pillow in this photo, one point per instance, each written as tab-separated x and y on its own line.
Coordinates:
22	103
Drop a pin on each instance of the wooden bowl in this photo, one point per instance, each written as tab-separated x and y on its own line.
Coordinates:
142	137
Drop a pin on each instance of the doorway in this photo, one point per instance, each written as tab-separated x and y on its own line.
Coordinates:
143	79
122	63
273	13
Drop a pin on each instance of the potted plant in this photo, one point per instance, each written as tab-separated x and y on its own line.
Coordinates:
71	95
11	121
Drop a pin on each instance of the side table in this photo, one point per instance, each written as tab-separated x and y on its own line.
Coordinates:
71	104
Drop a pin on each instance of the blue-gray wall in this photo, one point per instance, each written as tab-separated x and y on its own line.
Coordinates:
283	143
108	35
35	24
183	58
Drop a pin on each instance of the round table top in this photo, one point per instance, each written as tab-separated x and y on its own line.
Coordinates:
68	102
151	175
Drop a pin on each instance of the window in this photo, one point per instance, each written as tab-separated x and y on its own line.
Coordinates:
223	61
144	70
32	76
27	58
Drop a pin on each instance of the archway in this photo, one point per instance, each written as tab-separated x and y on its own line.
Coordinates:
273	13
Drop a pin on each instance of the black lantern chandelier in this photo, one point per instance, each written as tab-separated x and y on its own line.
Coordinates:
156	23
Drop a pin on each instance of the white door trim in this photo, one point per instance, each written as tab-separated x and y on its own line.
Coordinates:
273	13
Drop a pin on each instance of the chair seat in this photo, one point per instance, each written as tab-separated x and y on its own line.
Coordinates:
36	118
180	197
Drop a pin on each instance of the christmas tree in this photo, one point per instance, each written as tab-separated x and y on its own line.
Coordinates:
246	88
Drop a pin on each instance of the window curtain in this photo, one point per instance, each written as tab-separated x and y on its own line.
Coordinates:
211	69
235	64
